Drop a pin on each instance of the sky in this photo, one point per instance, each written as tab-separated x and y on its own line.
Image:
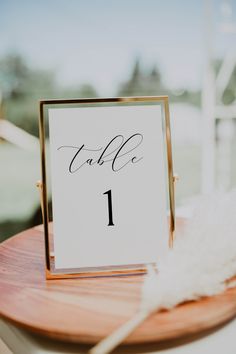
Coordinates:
97	41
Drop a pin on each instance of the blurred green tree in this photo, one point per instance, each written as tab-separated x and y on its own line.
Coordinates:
22	87
148	83
141	83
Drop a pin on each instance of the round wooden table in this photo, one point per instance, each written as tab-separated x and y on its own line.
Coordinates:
87	310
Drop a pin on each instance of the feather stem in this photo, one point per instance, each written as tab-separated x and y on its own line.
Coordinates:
113	340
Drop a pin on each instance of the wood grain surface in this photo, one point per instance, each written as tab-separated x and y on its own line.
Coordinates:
87	310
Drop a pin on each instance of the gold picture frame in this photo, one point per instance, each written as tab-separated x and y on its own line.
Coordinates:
51	272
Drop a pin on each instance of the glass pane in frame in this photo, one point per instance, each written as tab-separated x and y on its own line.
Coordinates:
45	106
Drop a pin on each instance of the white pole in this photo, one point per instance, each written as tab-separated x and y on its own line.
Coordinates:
208	107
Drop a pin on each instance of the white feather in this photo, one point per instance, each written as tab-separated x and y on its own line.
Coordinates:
203	258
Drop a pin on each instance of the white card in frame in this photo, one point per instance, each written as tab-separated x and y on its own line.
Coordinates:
110	173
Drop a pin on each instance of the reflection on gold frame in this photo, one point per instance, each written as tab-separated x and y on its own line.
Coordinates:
51	272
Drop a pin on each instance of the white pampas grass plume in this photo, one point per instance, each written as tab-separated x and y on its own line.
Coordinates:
202	260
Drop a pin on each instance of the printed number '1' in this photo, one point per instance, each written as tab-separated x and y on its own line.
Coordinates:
109	207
